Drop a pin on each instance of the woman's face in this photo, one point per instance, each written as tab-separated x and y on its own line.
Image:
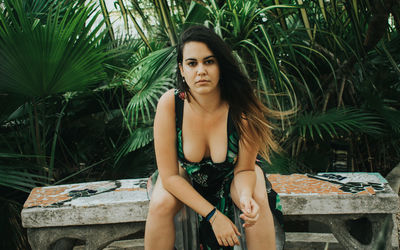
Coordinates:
199	68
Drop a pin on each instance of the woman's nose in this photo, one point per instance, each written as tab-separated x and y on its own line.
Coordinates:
201	69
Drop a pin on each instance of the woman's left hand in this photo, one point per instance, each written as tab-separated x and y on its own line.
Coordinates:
250	211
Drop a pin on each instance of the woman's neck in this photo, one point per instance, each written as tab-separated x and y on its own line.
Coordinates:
207	103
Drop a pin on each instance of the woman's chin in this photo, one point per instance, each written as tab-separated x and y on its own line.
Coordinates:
204	89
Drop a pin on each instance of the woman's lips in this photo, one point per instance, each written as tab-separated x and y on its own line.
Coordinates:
202	81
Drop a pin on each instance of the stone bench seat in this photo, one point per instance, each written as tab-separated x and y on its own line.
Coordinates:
99	213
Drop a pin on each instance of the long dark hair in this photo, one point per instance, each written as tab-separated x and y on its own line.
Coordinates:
236	89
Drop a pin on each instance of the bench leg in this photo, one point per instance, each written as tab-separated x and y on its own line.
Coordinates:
99	236
395	233
50	238
382	228
96	237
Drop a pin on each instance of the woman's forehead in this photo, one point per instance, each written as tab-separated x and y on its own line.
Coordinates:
196	50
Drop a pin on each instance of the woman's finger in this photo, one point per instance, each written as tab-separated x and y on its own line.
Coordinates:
248	218
230	241
247	225
255	207
249	221
220	241
225	241
236	230
236	240
245	204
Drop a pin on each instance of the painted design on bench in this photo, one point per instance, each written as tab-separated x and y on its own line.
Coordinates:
57	196
353	184
328	183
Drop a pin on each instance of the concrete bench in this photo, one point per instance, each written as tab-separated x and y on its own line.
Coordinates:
99	213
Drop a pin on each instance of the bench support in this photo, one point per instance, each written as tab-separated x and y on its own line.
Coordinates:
382	226
96	237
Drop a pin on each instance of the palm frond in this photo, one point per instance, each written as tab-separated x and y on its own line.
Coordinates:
138	139
155	78
336	122
62	55
144	101
19	174
281	164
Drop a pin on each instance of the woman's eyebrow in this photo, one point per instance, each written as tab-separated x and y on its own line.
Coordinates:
194	59
208	57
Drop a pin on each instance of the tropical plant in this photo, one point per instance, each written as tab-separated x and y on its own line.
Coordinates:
50	53
153	71
312	56
76	97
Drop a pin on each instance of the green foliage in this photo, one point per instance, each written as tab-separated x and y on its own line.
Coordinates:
13	236
336	122
76	98
49	50
61	55
148	80
308	57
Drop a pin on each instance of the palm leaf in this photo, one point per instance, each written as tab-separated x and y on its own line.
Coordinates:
138	139
165	17
281	164
40	60
19	174
335	122
197	14
144	101
148	81
107	19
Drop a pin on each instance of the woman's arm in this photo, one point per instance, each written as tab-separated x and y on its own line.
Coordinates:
166	156
245	179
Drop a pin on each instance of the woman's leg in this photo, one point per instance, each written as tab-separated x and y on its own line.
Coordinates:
160	230
260	236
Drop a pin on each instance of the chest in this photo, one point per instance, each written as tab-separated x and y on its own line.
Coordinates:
205	136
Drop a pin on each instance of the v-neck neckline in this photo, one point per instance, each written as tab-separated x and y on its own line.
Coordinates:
208	158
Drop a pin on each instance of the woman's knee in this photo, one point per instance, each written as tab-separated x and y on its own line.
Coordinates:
163	203
164	206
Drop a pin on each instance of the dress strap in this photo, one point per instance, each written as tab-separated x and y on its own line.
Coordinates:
179	101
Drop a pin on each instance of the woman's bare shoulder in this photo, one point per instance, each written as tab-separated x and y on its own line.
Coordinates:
164	120
167	101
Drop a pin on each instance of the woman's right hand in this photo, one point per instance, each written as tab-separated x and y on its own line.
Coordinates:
225	231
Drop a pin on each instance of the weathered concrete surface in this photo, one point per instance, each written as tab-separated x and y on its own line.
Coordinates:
338	204
308	194
96	237
101	212
394	178
380	223
136	244
311	241
86	204
334	198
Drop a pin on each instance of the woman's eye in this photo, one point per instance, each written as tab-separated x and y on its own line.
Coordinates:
191	64
209	62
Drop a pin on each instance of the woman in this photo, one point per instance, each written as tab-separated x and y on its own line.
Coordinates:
207	136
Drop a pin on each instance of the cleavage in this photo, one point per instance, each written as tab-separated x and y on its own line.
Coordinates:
198	142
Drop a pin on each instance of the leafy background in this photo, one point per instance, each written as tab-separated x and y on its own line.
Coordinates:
78	97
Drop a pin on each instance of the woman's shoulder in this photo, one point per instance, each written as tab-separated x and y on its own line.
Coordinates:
167	100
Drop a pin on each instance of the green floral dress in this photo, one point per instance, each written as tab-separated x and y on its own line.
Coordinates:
213	180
